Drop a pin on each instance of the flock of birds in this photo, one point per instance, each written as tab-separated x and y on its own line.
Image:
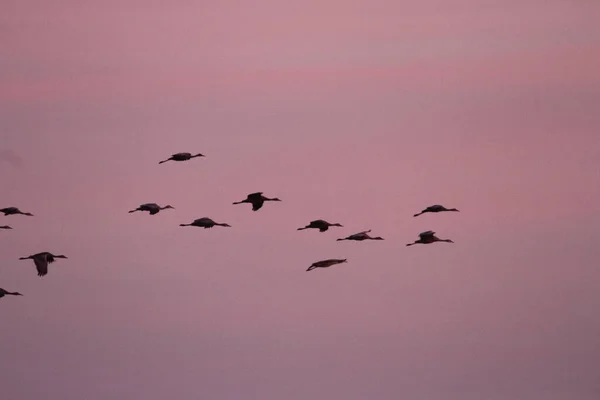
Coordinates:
257	200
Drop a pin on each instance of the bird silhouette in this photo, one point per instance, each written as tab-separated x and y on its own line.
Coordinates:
182	157
152	208
435	209
326	263
360	236
319	224
428	237
41	261
205	223
257	200
14	211
5	292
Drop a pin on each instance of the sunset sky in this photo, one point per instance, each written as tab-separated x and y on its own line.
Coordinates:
361	113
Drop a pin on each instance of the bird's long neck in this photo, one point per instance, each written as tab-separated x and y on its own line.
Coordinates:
14	293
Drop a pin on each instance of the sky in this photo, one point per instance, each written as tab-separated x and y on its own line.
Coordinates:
361	113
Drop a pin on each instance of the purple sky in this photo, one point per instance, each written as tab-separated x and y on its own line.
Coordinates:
361	114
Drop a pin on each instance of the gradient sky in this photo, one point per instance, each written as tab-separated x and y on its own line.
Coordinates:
361	113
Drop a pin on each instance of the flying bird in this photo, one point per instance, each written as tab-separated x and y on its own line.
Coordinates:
182	157
14	211
4	293
326	263
41	261
319	224
435	209
5	227
205	223
152	208
257	200
360	236
429	237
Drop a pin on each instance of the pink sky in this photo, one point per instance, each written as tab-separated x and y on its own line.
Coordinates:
359	113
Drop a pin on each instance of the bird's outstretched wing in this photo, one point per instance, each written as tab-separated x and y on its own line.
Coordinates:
256	195
41	264
257	204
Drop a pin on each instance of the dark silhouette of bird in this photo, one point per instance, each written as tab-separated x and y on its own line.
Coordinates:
326	263
429	237
319	224
5	292
182	157
152	208
41	261
435	209
205	223
257	200
360	236
5	227
14	211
